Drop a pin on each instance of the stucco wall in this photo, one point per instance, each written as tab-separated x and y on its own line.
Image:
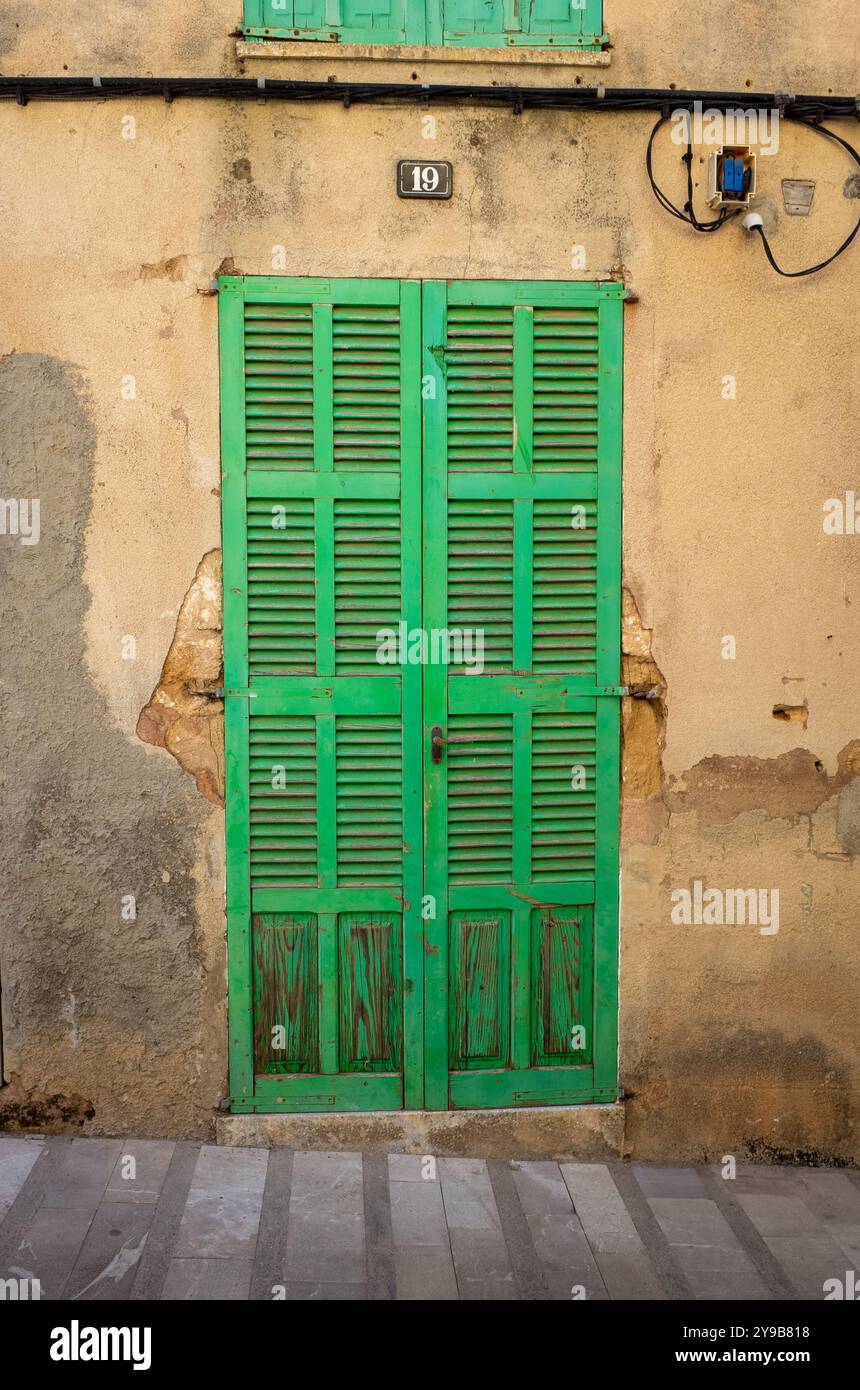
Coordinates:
731	1041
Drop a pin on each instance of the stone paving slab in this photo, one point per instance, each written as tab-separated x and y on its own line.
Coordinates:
147	1219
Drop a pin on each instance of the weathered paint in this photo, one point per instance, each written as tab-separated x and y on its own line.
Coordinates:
109	248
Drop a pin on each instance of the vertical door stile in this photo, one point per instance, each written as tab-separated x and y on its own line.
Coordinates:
523	521
412	698
608	752
435	697
324	607
236	703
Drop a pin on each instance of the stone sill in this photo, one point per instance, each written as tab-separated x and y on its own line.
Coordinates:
574	1133
406	53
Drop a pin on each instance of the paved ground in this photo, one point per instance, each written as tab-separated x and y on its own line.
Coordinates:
199	1222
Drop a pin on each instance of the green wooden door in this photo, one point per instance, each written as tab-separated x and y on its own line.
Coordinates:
421	650
522	544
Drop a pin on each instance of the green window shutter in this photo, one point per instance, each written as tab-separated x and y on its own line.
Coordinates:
472	23
349	21
470	20
502	23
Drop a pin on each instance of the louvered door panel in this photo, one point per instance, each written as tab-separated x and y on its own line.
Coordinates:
481	578
480	379
368	562
480	799
281	586
565	389
278	355
329	432
521	468
283	802
564	587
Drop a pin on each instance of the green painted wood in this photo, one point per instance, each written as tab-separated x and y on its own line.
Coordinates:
435	553
473	23
610	415
488	1090
479	1005
412	707
236	711
285	986
354	485
327	695
347	1092
512	485
524	382
562	995
370	971
457	941
323	525
326	899
507	895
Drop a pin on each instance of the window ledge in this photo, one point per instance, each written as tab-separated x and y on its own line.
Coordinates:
410	53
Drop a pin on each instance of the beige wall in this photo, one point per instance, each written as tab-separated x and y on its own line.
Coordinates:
731	1042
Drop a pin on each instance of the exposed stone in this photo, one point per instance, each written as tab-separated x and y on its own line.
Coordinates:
643	719
184	715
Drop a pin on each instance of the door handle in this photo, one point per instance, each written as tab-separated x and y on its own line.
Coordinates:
437	743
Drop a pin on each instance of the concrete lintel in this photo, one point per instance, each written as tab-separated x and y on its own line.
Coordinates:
593	1133
411	53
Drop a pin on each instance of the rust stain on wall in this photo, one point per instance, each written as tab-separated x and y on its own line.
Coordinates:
184	714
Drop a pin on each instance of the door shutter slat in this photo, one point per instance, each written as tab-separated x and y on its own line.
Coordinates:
279	422
281	585
565	389
367	581
283	802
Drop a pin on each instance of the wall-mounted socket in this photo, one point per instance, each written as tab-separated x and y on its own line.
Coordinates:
731	177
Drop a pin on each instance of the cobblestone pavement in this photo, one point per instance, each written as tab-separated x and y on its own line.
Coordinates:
189	1221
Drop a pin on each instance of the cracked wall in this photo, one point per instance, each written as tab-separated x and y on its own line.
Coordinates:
729	1041
184	714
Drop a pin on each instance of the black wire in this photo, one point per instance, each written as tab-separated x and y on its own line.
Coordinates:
26	89
688	215
813	269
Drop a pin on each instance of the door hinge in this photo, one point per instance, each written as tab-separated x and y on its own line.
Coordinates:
225	692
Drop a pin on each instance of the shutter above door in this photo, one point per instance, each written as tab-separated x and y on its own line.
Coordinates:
472	23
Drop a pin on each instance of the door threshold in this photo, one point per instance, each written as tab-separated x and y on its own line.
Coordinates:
592	1133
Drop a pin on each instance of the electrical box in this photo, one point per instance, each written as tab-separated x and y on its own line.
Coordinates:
731	177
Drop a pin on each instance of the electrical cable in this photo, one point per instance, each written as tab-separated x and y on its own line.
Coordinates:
575	98
813	269
688	215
